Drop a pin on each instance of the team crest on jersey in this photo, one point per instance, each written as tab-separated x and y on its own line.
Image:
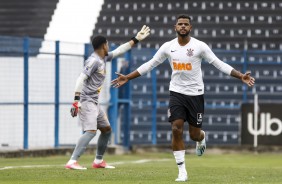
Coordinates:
190	52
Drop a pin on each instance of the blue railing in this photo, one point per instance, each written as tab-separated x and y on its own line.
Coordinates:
114	100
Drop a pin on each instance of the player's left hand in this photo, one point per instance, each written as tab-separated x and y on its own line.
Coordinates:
120	81
143	33
247	79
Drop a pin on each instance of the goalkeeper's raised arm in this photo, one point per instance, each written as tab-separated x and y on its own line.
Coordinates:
141	35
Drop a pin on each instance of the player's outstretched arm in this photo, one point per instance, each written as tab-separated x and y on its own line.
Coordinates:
141	35
246	78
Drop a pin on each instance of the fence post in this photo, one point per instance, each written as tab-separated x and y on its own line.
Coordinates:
86	52
127	107
113	107
57	91
245	88
26	101
154	106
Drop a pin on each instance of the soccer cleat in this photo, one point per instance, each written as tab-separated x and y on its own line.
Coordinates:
102	165
201	146
75	166
182	177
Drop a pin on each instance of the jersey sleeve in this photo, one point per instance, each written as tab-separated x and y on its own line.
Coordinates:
109	57
158	58
90	67
211	58
207	53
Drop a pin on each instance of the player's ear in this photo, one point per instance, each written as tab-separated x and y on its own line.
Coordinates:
105	46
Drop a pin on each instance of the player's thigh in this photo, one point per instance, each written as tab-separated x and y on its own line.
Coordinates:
102	121
195	106
88	115
176	109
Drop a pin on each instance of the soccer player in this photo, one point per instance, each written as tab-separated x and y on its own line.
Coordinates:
86	105
186	100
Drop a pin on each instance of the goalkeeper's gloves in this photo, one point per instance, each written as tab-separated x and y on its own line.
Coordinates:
142	34
75	108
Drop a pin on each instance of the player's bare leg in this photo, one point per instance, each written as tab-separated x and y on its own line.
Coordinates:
198	135
178	148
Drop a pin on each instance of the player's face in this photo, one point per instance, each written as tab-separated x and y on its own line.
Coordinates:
183	27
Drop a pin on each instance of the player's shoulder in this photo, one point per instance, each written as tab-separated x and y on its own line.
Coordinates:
169	43
92	59
198	43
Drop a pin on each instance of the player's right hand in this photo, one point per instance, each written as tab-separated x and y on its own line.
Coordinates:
143	33
120	81
75	108
248	79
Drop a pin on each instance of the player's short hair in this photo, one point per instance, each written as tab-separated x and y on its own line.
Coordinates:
98	41
184	16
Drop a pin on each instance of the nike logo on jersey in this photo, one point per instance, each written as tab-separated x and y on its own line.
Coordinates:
172	50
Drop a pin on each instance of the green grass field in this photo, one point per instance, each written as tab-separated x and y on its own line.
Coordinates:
146	168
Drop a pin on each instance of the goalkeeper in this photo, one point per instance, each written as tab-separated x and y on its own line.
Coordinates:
86	106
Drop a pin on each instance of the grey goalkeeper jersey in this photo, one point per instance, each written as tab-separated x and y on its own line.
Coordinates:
95	69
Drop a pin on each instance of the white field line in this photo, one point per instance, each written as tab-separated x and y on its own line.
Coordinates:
113	163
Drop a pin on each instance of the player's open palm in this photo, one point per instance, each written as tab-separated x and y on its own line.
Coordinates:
121	80
248	79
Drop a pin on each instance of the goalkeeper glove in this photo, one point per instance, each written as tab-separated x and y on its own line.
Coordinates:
142	34
75	108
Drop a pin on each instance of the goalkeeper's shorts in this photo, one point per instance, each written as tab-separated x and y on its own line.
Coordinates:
92	117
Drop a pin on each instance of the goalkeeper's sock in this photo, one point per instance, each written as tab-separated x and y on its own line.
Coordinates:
102	145
180	161
82	144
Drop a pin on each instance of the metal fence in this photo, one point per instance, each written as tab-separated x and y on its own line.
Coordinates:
38	77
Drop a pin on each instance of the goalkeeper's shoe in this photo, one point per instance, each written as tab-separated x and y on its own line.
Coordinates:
201	146
182	177
102	165
75	166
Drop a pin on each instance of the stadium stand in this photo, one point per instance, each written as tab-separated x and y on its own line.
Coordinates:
227	25
235	25
26	18
231	26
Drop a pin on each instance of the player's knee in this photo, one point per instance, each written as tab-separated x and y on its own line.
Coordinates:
106	129
195	136
177	131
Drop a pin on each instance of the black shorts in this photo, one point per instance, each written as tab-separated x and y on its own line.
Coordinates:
188	108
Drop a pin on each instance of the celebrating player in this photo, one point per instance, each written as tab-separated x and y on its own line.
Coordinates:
186	103
86	105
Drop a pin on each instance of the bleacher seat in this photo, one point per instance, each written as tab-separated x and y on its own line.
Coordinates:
210	18
229	25
26	18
